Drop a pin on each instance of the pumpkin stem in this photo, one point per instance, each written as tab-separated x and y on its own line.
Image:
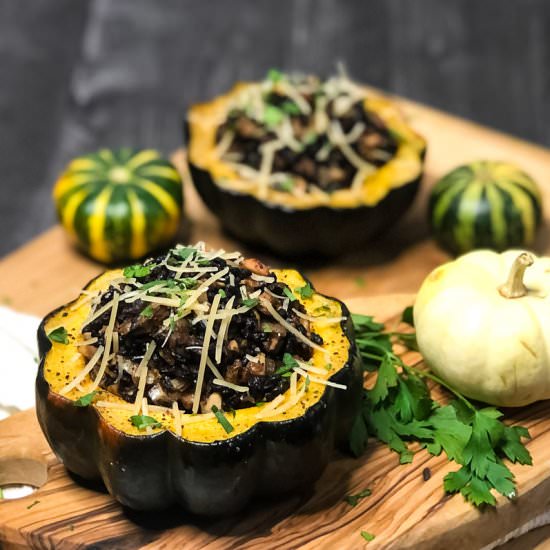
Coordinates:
514	287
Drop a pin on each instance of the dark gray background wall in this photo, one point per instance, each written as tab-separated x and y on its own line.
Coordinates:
79	74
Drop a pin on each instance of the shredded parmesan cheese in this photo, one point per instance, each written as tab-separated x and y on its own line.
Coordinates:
291	328
204	352
177	418
84	372
224	328
320	380
142	371
320	319
263	278
266	411
225	384
88	342
108	339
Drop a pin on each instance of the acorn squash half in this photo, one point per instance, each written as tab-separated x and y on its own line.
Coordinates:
205	470
329	222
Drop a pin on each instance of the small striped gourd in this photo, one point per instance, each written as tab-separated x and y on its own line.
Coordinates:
485	204
120	205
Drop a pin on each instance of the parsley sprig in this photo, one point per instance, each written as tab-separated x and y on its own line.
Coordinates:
399	410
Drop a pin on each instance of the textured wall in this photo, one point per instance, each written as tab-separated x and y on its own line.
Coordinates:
79	74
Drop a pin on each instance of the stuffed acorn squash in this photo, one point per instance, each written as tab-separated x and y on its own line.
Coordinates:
199	378
304	166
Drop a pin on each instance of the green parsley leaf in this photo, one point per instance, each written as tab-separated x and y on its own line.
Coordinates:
222	293
188	283
59	335
387	378
185	252
407	316
399	409
286	185
289	363
85	400
275	75
367	536
147	312
290	108
141	422
273	116
137	271
305	291
353	500
251	302
288	294
226	425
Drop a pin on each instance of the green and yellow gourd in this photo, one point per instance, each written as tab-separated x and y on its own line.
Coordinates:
485	204
120	205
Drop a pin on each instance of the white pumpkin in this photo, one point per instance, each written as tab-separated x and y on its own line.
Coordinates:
483	325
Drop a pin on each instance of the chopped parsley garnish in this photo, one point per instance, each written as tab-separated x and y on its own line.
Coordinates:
289	364
141	422
147	312
185	252
367	536
275	75
33	504
59	335
225	424
305	291
85	400
222	293
137	271
290	108
353	500
251	302
399	409
288	294
273	116
188	283
286	185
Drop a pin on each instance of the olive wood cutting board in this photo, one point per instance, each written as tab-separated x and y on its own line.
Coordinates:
405	510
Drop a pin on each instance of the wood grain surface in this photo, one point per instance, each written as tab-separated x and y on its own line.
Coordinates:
404	511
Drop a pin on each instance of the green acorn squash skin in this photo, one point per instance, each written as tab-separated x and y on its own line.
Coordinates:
321	231
119	205
151	472
485	204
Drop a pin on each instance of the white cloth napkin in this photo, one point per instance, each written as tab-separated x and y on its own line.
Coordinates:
18	360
